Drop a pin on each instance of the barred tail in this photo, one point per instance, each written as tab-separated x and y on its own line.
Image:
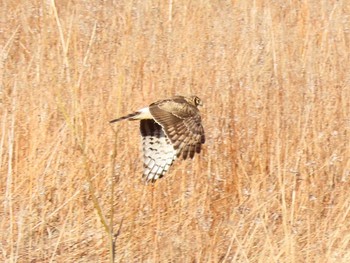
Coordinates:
129	116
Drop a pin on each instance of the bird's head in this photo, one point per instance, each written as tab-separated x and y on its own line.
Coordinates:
196	101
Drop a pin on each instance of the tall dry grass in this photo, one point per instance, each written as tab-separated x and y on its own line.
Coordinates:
272	184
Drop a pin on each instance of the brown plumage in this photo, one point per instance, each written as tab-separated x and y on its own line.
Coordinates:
170	128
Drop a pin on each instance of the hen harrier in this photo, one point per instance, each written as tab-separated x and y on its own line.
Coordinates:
169	128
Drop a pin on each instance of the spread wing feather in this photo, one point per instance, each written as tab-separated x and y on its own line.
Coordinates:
158	151
182	124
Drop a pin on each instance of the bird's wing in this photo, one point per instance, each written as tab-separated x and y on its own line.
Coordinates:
158	151
181	123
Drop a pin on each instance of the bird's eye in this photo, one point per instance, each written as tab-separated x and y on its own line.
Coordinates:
197	101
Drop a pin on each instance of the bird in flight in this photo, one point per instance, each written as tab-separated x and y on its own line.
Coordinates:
170	128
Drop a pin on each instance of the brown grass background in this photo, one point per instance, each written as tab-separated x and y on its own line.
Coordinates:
272	184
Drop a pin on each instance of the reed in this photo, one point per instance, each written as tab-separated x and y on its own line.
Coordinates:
272	183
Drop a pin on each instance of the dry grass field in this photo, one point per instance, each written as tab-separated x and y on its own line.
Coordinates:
273	181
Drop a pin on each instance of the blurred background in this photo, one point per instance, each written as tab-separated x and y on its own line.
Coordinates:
272	183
